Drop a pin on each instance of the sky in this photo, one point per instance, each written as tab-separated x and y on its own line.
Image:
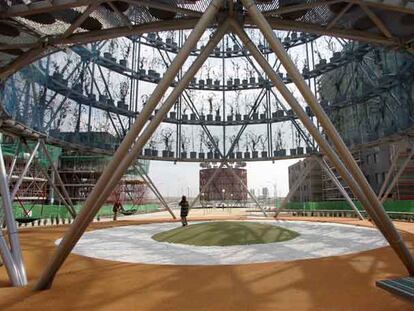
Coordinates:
183	178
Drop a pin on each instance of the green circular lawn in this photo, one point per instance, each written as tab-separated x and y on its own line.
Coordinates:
225	233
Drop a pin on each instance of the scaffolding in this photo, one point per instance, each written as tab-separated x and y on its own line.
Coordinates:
33	188
80	172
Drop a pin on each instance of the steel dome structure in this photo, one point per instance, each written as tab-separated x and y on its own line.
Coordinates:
161	80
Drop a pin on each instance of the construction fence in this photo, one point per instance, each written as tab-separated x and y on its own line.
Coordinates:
60	211
390	206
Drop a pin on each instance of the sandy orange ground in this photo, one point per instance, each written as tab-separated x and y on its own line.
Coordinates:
332	283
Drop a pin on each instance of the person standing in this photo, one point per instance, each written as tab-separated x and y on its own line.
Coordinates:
184	210
117	208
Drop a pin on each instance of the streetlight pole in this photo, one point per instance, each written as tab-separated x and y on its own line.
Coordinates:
224	192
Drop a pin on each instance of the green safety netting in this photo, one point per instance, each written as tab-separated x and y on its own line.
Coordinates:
59	211
390	206
9	150
98	161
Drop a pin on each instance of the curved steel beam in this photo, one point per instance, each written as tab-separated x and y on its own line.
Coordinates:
59	5
49	45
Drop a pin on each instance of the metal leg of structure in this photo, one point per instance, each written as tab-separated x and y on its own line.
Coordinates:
300	112
158	195
389	173
398	175
124	156
338	184
394	239
165	108
58	178
248	191
25	170
154	189
16	251
295	187
205	186
159	117
374	206
13	164
9	262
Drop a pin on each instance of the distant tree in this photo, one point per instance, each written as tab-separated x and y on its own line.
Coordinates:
253	140
166	136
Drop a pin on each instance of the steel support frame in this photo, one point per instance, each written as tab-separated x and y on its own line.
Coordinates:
256	104
108	91
24	172
53	185
247	189
9	262
185	96
209	181
393	165
12	257
338	184
131	146
260	75
397	175
295	187
57	175
348	166
154	189
322	142
13	164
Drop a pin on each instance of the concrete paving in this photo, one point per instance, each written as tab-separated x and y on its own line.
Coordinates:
134	244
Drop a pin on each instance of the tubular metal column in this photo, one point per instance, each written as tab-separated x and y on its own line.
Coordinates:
16	251
397	176
381	218
9	262
23	174
394	161
338	184
295	187
59	179
248	191
313	130
154	189
123	157
206	184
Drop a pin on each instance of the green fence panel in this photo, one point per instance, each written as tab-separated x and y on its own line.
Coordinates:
60	211
390	206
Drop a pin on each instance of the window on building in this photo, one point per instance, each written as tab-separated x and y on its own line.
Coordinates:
378	178
375	157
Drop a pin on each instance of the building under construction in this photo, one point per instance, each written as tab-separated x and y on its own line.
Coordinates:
223	184
311	187
380	165
78	172
366	111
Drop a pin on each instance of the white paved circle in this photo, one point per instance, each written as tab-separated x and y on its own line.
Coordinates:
134	244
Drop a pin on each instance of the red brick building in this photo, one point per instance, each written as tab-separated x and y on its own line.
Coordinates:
225	186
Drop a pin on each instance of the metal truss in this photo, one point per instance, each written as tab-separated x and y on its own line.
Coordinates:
154	189
126	25
141	130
